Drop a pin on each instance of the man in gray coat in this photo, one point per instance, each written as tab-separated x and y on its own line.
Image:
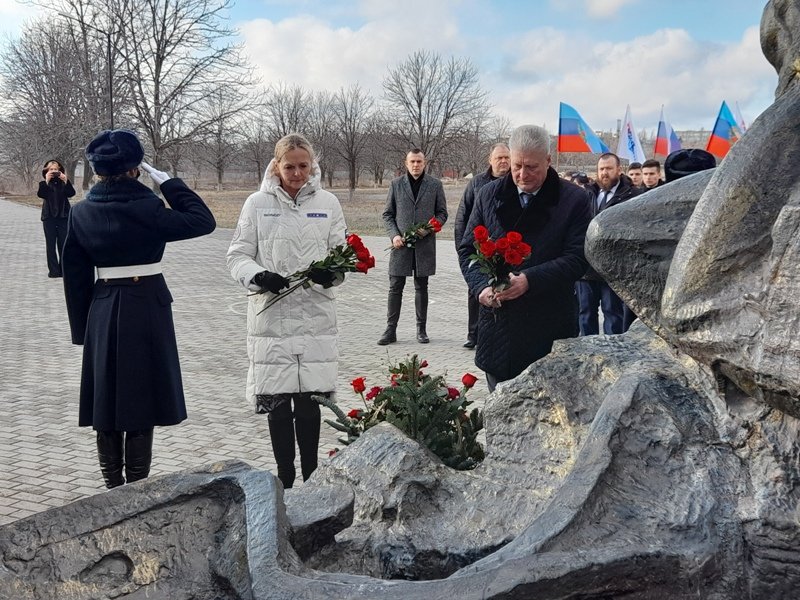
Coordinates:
413	199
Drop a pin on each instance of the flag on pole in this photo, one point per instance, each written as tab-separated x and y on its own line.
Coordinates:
666	139
724	134
574	135
739	118
629	146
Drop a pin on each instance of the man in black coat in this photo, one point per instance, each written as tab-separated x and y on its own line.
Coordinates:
414	198
518	325
611	188
498	166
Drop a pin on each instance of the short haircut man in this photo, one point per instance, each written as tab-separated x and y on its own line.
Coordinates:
413	198
517	325
498	166
651	174
635	173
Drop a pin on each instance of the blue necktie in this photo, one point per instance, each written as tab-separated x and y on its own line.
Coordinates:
524	198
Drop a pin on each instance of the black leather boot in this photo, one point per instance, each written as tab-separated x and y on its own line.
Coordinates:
109	454
138	454
306	426
395	303
421	305
281	434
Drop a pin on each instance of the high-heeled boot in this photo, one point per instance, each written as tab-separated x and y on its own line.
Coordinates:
138	454
109	454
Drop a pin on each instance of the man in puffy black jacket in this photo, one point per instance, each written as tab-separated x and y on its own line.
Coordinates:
498	167
611	188
517	326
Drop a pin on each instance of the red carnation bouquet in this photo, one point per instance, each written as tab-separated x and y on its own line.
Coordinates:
419	230
344	258
498	258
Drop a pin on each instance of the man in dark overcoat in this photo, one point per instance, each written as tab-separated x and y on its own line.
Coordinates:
131	378
498	166
518	325
413	199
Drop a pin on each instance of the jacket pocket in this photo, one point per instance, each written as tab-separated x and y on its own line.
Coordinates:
164	297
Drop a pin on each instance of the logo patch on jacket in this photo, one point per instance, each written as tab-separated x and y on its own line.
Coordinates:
266	214
317	215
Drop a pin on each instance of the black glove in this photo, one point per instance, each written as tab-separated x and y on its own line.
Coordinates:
270	281
322	277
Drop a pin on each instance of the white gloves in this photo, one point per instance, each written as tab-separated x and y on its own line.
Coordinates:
158	176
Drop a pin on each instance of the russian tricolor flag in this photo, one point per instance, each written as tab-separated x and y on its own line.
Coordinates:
725	133
667	140
574	135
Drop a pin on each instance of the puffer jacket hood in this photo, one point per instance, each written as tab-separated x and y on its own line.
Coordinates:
272	183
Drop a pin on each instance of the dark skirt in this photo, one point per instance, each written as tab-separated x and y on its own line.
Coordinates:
131	376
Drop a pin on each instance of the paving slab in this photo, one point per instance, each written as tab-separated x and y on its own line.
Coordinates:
47	460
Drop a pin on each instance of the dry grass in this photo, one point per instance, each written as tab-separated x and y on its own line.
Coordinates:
362	213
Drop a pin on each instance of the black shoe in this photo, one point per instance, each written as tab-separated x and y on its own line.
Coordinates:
389	337
470	343
422	336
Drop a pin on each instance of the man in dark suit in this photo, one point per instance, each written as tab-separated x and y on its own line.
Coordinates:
518	325
413	198
498	166
612	187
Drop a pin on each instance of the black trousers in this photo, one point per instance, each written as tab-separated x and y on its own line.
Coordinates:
55	233
287	424
396	286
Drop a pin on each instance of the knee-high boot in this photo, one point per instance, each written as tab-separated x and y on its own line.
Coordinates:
281	433
109	454
138	454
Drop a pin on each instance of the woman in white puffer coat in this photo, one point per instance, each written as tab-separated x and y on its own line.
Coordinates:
292	345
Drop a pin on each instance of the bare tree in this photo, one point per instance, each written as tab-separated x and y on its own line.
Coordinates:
320	130
352	108
287	109
221	142
257	143
379	151
39	83
178	55
433	101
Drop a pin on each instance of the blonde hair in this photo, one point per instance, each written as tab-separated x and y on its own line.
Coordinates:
287	143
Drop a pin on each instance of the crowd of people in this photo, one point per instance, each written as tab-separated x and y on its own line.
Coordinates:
108	249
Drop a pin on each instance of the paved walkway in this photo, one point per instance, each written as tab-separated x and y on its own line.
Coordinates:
46	460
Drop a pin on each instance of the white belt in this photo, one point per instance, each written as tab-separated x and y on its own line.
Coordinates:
128	271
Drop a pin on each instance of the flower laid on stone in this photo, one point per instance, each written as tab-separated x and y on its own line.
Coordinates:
498	258
349	257
423	407
419	230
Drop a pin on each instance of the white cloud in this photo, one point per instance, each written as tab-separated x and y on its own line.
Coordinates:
606	9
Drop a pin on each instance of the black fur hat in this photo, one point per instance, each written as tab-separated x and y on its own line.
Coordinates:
685	162
112	152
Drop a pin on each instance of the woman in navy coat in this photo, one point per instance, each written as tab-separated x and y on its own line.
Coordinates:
131	378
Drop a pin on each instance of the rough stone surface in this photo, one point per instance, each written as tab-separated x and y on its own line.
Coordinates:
663	463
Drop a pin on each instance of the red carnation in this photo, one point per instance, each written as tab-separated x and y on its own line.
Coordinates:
354	414
514	238
362	267
453	393
358	385
469	380
513	257
373	392
488	248
434	223
502	245
370	261
480	233
524	249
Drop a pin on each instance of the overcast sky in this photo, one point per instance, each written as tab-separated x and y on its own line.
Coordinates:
597	55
